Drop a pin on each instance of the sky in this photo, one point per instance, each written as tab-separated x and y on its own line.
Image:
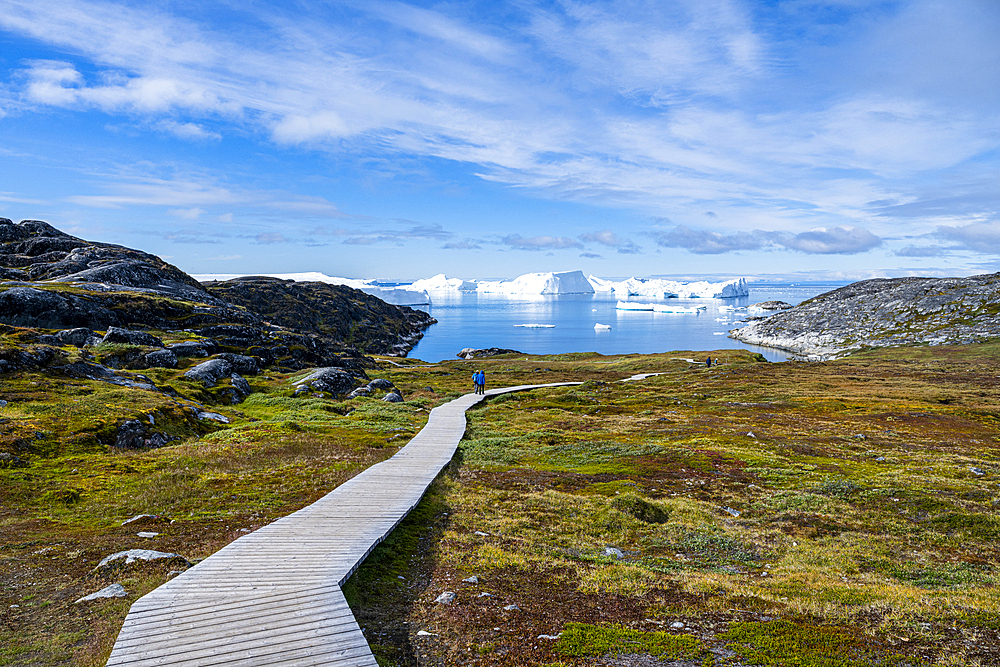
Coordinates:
799	139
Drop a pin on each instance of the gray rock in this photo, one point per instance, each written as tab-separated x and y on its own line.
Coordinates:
140	518
241	364
193	348
677	625
380	383
77	337
977	471
512	607
550	636
881	313
771	305
210	372
392	397
128	337
133	434
125	558
214	416
31	307
360	391
445	598
112	591
613	552
146	534
240	384
161	359
3	403
330	379
302	389
471	580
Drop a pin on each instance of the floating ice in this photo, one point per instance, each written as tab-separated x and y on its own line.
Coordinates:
565	282
536	326
442	283
634	305
602	327
664	308
667	289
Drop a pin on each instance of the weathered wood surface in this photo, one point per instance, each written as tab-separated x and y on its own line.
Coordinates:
273	597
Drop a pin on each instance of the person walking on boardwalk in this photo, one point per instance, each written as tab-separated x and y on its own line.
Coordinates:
482	382
475	381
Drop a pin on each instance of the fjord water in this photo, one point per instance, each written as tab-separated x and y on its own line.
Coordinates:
488	320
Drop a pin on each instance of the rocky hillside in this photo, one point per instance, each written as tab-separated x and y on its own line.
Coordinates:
333	311
125	309
884	312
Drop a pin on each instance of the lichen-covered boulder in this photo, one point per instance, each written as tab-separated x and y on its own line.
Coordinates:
380	383
392	397
133	434
128	337
241	364
193	348
77	337
333	380
161	359
210	372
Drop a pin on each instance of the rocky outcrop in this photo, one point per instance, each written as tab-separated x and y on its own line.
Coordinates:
473	353
332	380
884	312
334	311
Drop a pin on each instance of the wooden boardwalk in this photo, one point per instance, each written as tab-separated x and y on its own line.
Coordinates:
273	596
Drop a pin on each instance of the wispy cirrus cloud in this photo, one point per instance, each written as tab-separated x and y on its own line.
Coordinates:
820	241
540	242
624	246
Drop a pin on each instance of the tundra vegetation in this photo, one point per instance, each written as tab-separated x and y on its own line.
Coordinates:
839	513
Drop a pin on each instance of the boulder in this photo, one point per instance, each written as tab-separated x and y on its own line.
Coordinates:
112	591
380	383
77	337
194	348
360	391
210	372
392	397
331	379
8	460
240	384
128	337
133	434
161	359
241	364
122	559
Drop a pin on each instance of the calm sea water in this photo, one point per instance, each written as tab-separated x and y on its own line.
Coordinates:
488	320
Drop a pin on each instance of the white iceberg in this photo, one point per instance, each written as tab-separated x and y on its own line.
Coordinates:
602	327
536	326
442	283
564	282
634	305
395	295
659	288
665	308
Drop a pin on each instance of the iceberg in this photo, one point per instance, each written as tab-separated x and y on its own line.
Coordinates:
634	305
536	326
602	327
659	288
663	308
565	282
394	295
442	283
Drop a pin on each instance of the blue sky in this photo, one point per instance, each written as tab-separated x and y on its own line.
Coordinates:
840	139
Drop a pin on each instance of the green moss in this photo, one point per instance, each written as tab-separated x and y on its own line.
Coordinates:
640	508
788	644
581	639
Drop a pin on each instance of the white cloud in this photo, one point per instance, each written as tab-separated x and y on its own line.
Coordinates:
187	213
540	242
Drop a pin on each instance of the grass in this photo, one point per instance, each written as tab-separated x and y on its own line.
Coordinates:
848	530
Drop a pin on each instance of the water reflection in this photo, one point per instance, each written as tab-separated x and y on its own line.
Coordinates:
488	320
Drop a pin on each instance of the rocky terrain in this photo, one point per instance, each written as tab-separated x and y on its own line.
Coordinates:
883	313
80	309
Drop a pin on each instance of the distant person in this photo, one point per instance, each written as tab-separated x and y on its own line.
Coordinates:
708	362
475	381
482	382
